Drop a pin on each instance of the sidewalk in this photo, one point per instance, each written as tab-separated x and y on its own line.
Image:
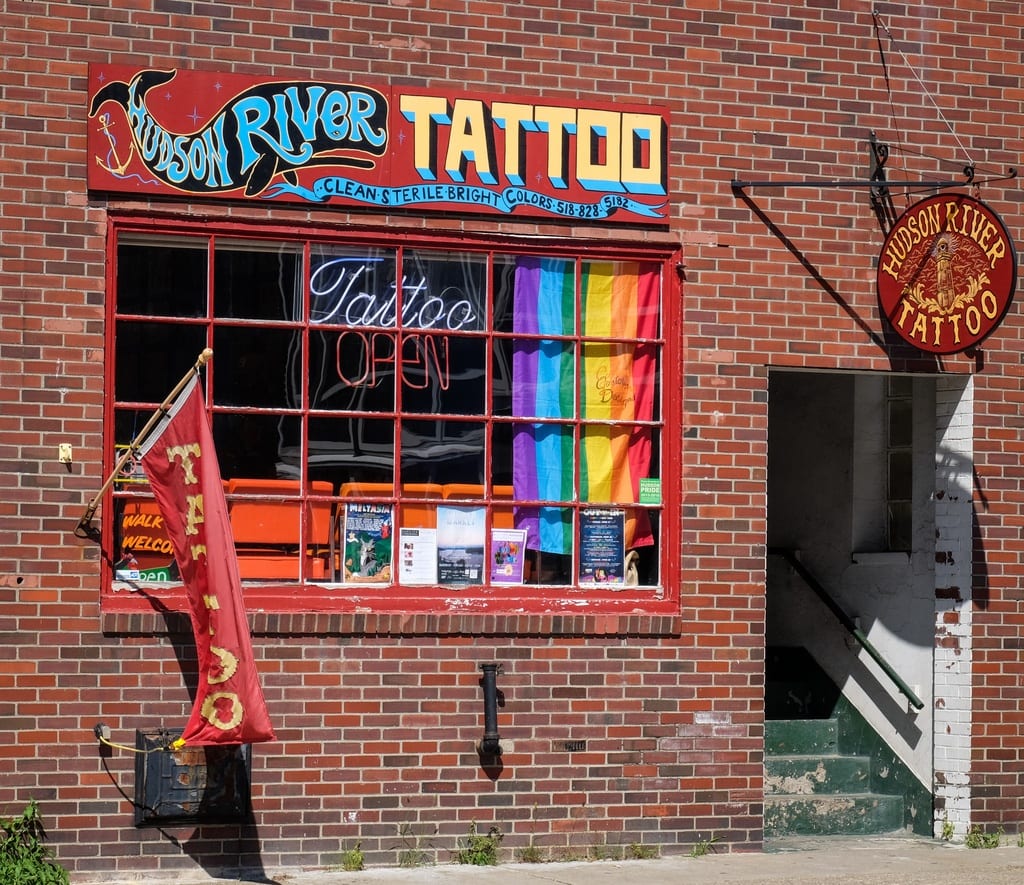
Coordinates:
810	861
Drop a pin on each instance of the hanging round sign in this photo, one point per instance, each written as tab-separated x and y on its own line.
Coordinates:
947	273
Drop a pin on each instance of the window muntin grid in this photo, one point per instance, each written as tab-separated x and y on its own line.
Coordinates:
393	376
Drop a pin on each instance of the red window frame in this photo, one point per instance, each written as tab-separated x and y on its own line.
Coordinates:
522	598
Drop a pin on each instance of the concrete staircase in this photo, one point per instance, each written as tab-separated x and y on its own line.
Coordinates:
813	788
827	772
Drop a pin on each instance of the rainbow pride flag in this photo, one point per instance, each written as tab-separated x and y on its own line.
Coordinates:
619	300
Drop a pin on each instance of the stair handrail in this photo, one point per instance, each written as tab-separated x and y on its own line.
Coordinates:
847	622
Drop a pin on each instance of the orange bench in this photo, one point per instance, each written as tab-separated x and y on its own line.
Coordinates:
267	528
412	514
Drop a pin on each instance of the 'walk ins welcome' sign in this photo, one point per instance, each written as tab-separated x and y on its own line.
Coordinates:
947	273
196	134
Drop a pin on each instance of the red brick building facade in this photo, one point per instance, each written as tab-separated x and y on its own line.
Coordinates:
634	716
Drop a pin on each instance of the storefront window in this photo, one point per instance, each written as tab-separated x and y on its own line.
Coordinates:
400	417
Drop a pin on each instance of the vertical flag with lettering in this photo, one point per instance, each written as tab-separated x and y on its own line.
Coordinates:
181	465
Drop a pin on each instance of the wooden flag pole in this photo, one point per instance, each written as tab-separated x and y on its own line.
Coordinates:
84	529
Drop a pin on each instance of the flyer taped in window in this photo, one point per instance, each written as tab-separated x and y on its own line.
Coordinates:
602	546
367	547
460	545
508	556
417	556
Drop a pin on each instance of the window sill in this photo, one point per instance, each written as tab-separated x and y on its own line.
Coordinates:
313	609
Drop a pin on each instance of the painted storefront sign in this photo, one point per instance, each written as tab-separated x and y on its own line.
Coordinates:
947	273
193	134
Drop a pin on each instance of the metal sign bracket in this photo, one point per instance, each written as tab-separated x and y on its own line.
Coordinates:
878	184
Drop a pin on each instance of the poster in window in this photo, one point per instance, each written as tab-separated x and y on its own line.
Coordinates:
508	556
461	536
602	546
368	533
417	556
146	551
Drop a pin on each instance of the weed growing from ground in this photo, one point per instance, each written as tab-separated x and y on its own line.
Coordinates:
24	859
480	850
352	860
604	851
704	847
978	838
531	854
411	855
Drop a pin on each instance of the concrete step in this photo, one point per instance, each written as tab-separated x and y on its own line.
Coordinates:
809	775
807	737
822	815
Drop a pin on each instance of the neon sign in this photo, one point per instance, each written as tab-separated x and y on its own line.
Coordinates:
342	294
375	349
336	296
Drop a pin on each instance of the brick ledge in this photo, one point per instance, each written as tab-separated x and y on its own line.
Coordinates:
407	624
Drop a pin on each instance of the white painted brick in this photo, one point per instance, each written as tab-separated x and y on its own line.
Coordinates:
952	667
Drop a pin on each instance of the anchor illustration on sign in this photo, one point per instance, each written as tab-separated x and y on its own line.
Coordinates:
118	169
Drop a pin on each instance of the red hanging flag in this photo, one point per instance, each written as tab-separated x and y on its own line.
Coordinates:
181	464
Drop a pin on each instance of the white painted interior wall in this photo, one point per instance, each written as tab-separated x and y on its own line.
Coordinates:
826	494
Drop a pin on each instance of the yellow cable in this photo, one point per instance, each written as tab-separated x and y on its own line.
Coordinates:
175	745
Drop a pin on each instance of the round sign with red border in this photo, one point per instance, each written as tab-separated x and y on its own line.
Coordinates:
947	273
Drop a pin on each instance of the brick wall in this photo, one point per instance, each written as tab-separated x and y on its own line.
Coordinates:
377	726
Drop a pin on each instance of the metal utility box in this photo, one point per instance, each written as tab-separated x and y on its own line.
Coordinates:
190	785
